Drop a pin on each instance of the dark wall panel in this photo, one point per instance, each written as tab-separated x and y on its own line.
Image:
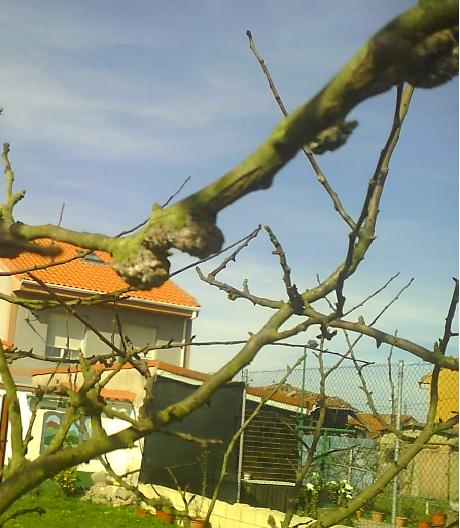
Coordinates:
219	418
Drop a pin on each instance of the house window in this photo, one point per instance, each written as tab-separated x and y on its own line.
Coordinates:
140	336
65	336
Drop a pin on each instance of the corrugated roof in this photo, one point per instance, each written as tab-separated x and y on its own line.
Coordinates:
92	276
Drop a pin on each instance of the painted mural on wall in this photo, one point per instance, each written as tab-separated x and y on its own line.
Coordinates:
51	423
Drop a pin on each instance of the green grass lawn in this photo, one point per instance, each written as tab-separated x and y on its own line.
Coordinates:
72	512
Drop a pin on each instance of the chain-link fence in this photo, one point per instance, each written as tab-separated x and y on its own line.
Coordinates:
355	445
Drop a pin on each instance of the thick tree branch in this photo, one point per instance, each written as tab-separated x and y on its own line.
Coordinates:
419	47
17	444
380	337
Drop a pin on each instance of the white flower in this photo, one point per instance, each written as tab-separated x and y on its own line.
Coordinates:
348	486
310	486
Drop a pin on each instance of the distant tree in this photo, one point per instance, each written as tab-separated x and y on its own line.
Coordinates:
418	49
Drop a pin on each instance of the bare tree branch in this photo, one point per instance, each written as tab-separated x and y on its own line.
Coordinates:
419	47
449	320
17	445
291	289
369	211
306	150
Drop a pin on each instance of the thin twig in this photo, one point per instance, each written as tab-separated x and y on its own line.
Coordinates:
371	296
73	312
202	442
171	198
61	214
214	255
243	427
295	298
168	201
43	266
392	385
234	293
370	209
307	151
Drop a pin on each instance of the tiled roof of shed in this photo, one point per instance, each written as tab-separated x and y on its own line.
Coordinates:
373	425
83	274
296	396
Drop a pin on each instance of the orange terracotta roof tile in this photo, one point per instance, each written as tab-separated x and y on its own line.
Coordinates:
295	396
373	425
91	276
108	394
118	394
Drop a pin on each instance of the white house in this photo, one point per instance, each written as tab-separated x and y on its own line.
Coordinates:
148	319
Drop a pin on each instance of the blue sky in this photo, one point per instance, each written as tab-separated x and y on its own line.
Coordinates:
109	107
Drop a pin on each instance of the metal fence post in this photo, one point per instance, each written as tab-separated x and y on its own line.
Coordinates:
244	375
399	396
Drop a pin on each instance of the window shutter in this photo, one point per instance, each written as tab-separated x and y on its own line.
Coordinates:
140	335
64	333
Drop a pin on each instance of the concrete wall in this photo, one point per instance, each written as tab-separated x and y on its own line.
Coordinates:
228	515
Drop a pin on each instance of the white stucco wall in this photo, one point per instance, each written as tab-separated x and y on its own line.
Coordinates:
122	460
25	419
7	285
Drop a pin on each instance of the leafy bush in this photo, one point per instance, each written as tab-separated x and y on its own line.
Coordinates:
338	494
67	480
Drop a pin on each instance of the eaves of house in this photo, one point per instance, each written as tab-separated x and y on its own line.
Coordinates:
181	373
127	381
